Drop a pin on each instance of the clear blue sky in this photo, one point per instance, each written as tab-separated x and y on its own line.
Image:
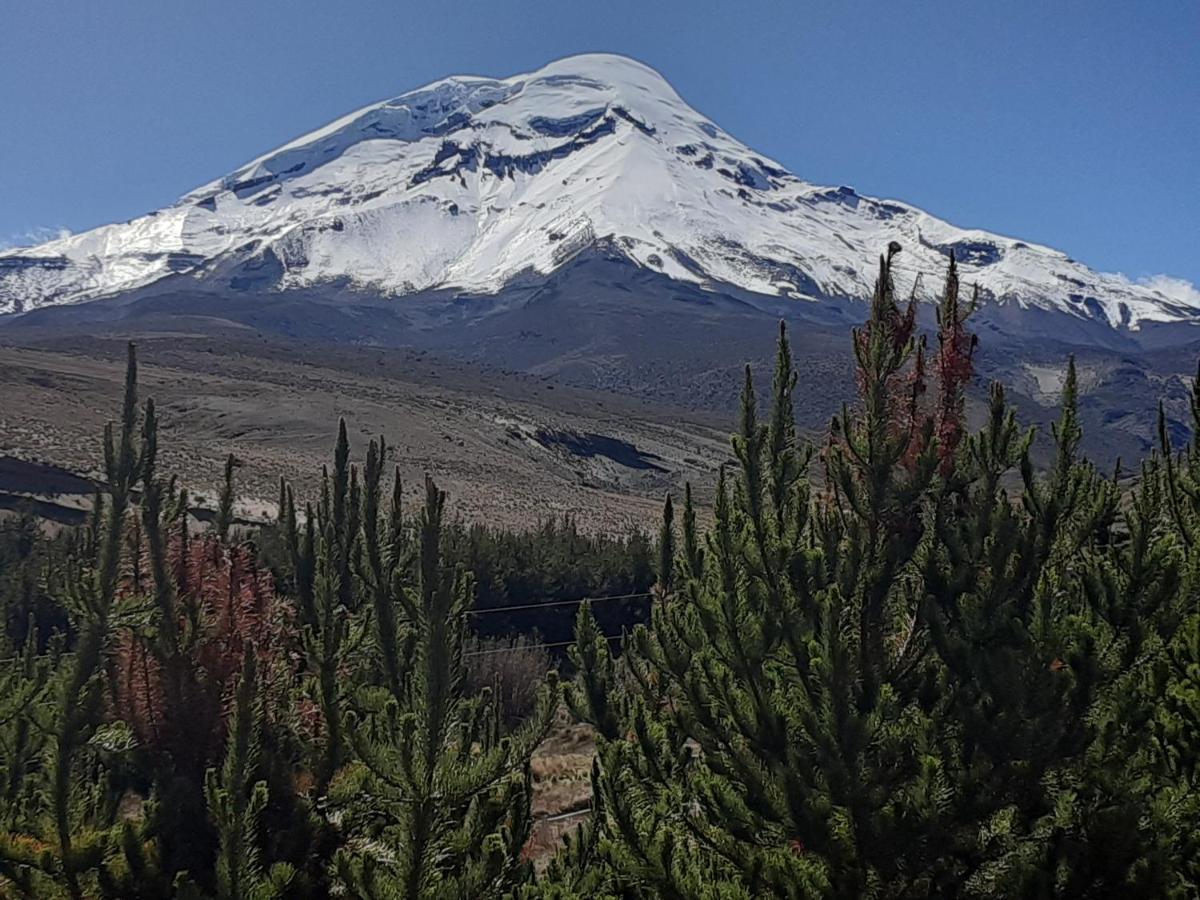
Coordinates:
1061	121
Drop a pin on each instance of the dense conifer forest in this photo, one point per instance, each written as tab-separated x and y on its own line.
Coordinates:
902	661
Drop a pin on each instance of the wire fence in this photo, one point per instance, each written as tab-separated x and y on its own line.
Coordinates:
515	607
547	603
549	645
539	646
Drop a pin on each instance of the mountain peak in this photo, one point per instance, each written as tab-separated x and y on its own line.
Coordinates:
622	74
471	183
548	103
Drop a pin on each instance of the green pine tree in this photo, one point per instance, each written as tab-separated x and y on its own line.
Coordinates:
236	800
439	797
225	503
666	549
906	683
321	555
61	835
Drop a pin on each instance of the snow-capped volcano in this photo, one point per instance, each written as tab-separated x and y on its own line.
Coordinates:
471	184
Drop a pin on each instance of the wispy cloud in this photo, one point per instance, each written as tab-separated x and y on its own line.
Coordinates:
31	237
1176	289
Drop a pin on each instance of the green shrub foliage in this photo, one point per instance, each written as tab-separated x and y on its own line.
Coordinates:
913	667
188	732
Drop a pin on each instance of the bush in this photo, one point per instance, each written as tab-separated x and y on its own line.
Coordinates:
512	667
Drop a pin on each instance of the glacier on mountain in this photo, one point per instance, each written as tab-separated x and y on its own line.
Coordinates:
471	184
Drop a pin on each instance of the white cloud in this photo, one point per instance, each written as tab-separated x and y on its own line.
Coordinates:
31	237
1176	289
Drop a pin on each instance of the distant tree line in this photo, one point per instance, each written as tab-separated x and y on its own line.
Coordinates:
527	581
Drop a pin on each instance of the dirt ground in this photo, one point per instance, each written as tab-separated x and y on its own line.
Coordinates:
510	449
562	787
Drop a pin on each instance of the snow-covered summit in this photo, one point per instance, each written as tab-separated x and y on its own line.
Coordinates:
472	183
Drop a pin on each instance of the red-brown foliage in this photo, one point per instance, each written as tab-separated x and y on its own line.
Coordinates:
955	366
906	388
177	702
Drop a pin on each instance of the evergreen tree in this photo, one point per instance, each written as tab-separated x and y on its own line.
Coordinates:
61	835
666	549
442	796
135	702
78	708
225	503
321	556
31	569
954	366
906	684
533	569
24	680
236	802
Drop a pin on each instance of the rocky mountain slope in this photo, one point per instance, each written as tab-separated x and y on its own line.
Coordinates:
479	187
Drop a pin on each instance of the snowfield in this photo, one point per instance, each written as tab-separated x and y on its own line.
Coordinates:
471	184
